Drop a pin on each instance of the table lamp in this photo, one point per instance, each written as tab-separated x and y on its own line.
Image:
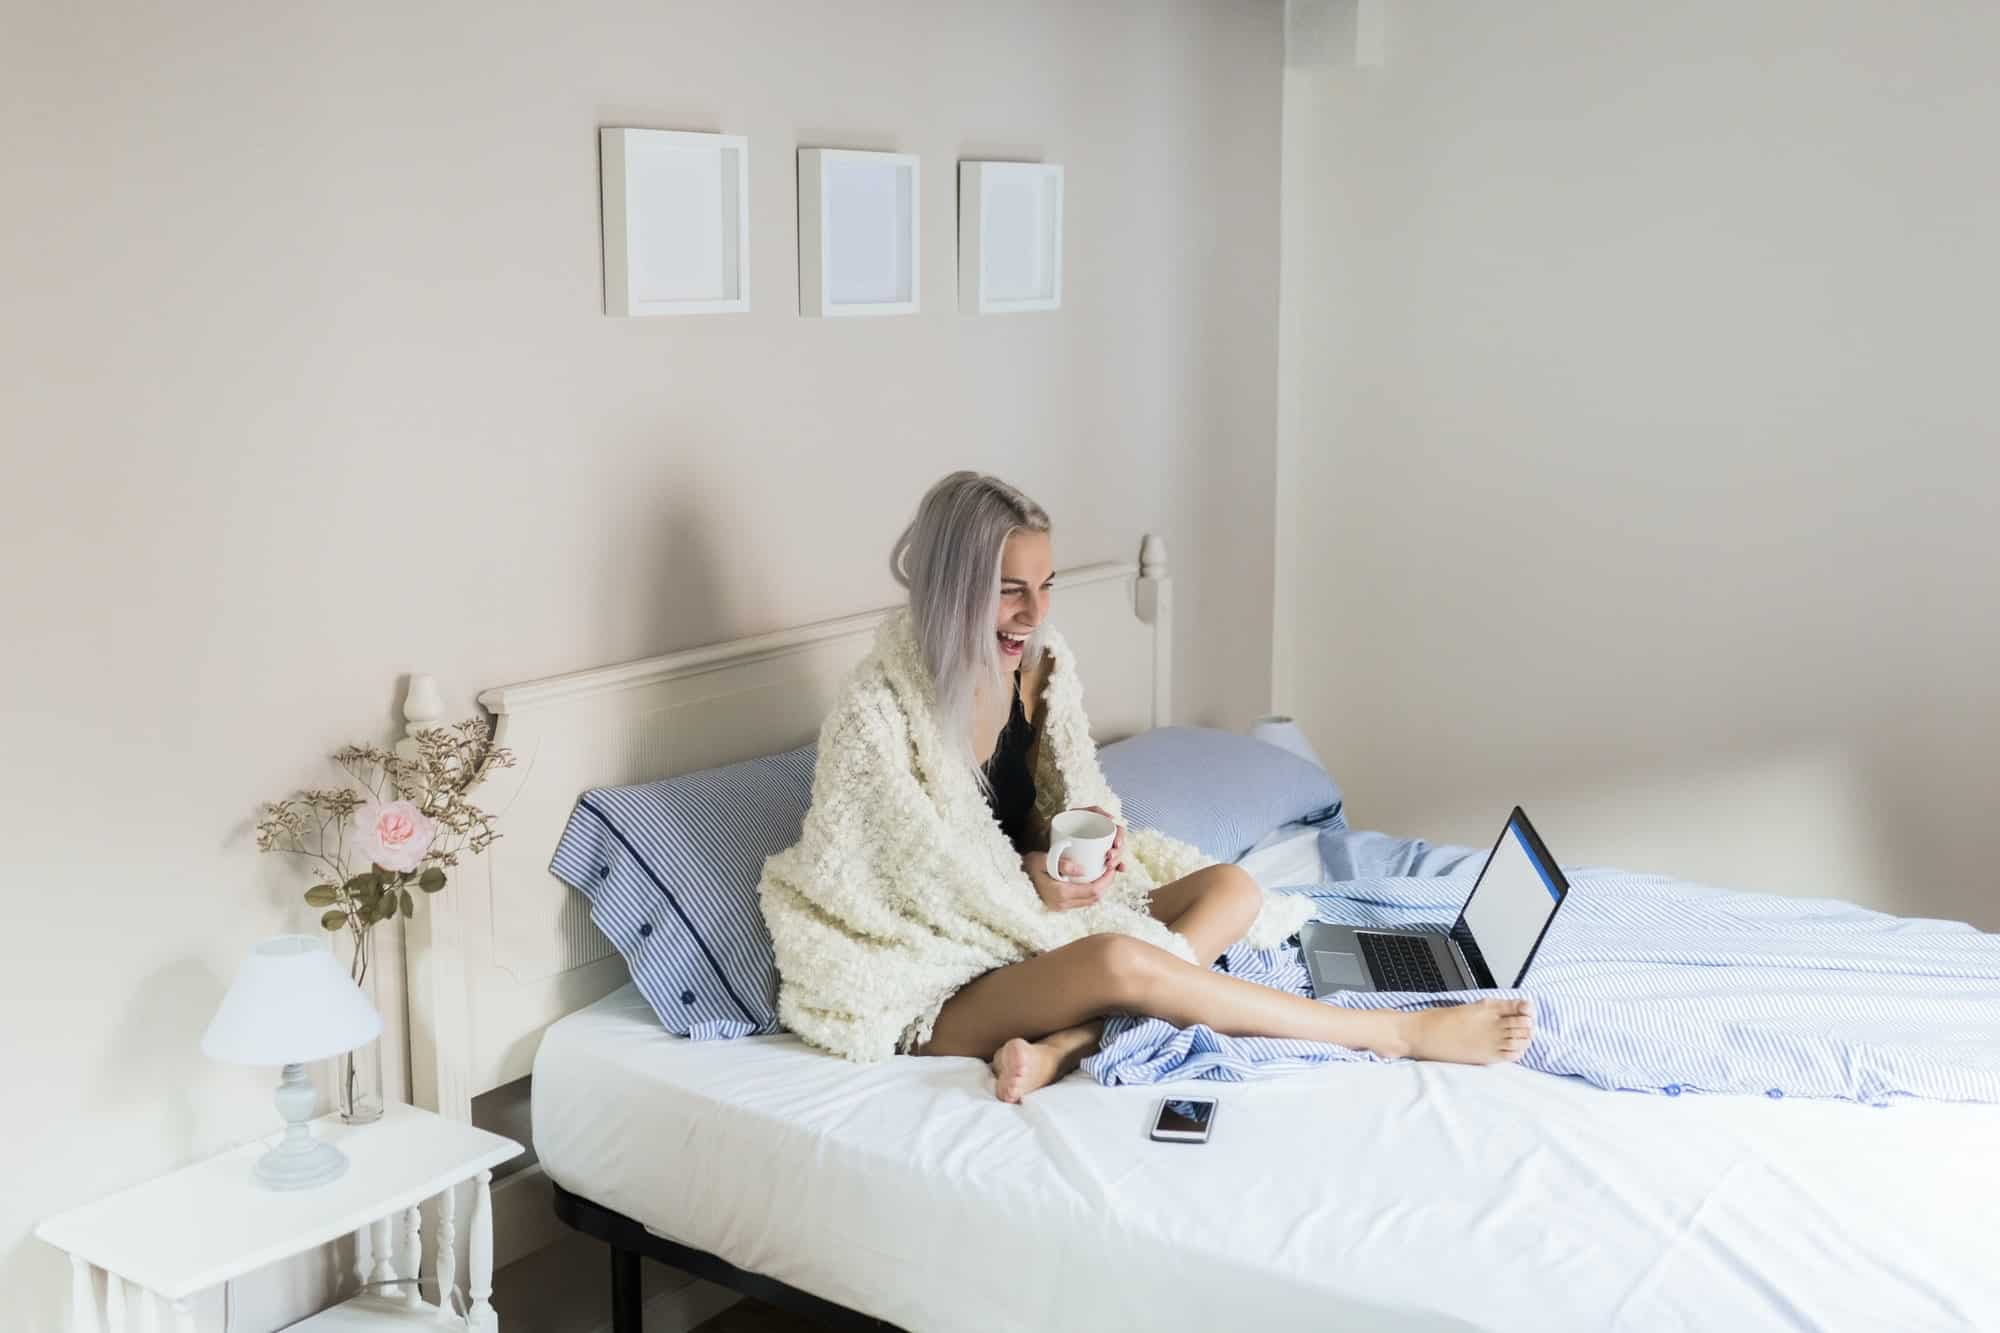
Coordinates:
292	1003
1281	731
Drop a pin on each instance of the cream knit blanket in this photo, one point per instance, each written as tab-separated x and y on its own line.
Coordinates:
902	888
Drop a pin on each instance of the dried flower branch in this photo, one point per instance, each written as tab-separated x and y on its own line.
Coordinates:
409	841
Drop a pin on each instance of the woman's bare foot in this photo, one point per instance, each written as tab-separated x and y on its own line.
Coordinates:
1022	1066
1482	1033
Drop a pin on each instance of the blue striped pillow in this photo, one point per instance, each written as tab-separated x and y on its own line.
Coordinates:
1216	789
671	871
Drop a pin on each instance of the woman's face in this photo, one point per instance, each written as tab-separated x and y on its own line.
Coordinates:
1026	578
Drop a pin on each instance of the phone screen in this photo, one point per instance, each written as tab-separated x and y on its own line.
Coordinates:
1184	1115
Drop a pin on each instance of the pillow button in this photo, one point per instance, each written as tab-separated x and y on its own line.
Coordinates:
687	997
645	930
604	872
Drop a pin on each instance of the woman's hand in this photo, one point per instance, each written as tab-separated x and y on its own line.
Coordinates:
1115	858
1061	895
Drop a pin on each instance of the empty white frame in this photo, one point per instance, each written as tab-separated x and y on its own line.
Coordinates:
1009	236
858	236
676	222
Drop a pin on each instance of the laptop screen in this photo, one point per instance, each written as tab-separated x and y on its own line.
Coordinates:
1511	903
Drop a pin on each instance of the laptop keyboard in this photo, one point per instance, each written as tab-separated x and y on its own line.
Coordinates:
1400	962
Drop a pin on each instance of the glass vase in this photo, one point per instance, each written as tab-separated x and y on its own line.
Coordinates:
358	1073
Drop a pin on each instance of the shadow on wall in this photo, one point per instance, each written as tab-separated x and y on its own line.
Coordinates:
1797	822
1932	785
150	1064
662	587
154	1053
31	1266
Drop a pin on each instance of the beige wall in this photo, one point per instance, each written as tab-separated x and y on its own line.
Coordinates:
1638	389
307	386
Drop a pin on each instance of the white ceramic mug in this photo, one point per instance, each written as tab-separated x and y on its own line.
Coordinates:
1085	837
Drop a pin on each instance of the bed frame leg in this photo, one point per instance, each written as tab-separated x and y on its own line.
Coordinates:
625	1315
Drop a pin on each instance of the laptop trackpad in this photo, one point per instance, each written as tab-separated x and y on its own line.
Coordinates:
1340	969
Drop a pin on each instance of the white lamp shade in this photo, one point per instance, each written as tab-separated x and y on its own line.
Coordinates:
291	1003
1284	733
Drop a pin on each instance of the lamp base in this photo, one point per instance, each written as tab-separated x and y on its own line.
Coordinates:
1281	731
298	1161
286	1168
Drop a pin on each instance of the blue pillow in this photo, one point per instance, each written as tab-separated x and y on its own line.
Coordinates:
671	871
1216	789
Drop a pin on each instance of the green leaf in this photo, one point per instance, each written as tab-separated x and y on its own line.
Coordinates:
388	905
321	895
382	908
363	882
333	920
431	880
409	903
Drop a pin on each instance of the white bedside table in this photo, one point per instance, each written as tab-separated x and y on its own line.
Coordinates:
183	1233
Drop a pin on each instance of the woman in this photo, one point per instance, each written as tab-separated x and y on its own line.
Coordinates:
918	912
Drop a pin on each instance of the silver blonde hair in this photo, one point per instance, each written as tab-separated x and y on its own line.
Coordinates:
949	559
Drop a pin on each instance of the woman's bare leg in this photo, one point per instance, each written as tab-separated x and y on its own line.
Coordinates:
1210	909
1106	974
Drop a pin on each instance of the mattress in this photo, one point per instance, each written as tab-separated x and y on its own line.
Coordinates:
1404	1196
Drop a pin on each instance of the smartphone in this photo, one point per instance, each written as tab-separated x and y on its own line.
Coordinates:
1184	1120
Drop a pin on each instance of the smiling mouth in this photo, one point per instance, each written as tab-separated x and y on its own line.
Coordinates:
1011	642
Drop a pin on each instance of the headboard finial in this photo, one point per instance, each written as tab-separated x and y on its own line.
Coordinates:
423	706
1153	599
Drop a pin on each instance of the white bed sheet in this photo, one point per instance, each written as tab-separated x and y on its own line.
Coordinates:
1286	856
1407	1196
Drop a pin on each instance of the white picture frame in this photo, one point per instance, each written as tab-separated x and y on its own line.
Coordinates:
860	242
676	222
1010	224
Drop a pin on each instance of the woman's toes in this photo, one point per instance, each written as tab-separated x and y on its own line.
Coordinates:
1020	1067
1478	1033
1010	1070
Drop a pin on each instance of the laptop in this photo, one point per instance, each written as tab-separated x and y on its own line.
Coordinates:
1489	947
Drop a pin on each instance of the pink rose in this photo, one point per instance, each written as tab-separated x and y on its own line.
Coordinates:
394	834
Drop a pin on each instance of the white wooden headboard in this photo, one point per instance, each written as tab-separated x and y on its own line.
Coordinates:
509	949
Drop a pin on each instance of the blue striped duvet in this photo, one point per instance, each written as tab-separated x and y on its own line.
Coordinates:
1649	984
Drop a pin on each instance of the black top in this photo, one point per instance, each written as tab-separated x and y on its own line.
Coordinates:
1013	783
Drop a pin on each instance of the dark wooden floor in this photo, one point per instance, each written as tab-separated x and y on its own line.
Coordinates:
752	1316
